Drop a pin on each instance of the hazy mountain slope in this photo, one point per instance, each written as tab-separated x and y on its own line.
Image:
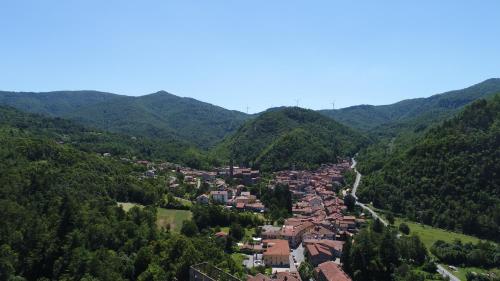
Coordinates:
279	138
57	103
450	178
160	115
412	113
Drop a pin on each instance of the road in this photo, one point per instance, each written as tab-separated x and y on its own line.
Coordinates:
440	269
353	193
444	272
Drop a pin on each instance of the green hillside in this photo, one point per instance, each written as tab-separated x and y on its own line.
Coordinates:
388	120
280	138
414	118
450	177
98	141
61	221
160	115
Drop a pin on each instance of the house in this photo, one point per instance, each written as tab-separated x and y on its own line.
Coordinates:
330	271
221	234
202	199
319	251
258	277
277	253
150	173
319	232
278	276
256	207
286	276
270	232
314	201
219	196
293	231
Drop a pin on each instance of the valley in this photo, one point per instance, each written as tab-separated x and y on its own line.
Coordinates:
158	187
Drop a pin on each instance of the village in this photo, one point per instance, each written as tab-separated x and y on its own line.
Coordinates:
314	233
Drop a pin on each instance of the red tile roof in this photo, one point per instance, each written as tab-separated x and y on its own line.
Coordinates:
258	277
332	272
277	247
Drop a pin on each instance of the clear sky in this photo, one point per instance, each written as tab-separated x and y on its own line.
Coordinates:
251	53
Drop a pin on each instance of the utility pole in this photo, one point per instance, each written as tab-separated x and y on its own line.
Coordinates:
247	109
333	105
297	102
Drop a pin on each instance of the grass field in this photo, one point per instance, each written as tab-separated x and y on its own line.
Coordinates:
185	202
172	217
164	216
249	232
429	234
127	206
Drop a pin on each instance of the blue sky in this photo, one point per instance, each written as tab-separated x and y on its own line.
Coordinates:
251	53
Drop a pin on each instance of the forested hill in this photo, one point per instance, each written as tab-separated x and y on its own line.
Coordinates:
60	219
160	115
98	141
450	178
412	113
283	137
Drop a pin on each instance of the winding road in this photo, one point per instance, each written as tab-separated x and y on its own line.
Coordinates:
353	193
440	269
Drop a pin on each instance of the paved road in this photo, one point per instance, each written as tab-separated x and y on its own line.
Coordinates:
353	193
444	272
440	269
298	254
358	179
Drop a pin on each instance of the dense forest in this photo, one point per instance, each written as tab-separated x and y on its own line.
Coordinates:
378	254
60	219
98	141
449	178
160	115
388	120
285	137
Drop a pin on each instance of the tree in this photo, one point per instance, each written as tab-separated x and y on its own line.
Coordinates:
345	258
429	266
364	256
189	228
390	218
236	231
377	226
417	250
389	252
350	202
7	262
306	270
404	228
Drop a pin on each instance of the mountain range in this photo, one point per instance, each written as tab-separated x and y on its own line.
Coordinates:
160	115
412	113
164	115
277	138
432	160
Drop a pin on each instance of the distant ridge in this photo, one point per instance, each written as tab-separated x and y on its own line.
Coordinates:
158	115
433	108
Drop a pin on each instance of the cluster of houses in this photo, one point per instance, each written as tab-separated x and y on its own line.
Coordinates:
319	225
233	198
